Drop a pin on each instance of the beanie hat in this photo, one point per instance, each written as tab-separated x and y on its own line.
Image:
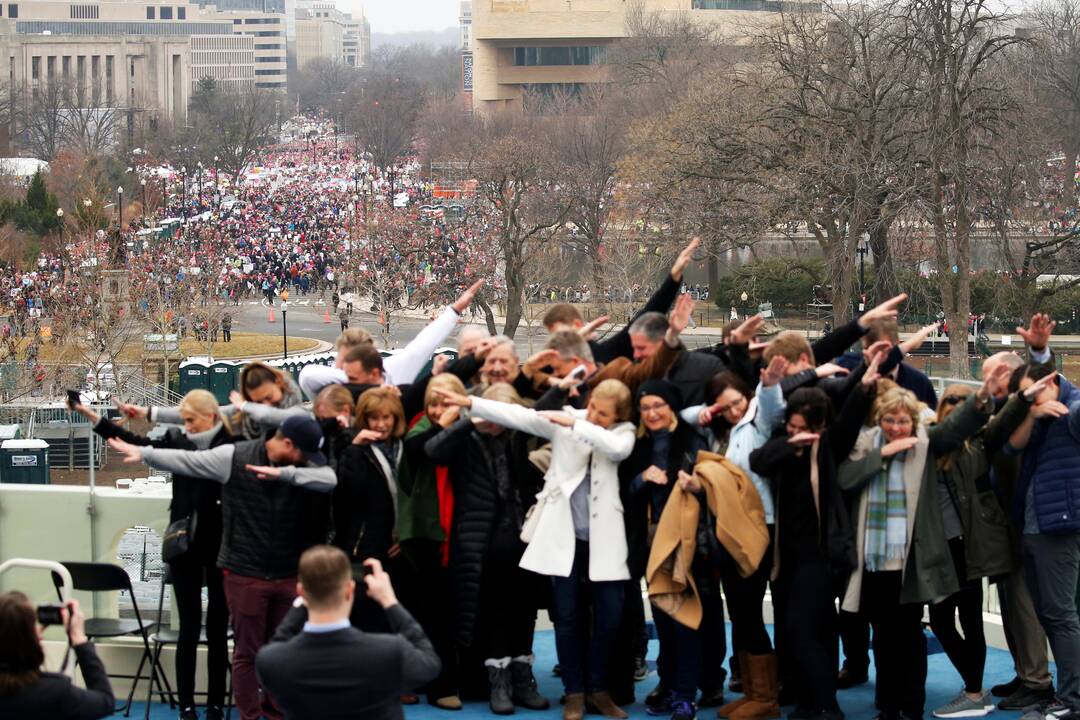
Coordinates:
662	389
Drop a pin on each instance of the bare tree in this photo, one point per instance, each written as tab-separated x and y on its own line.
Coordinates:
384	119
41	115
1055	68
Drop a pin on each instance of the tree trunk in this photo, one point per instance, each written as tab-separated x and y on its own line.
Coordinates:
514	308
712	269
842	272
489	315
885	285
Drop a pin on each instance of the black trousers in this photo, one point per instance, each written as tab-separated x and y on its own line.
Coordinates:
899	644
967	653
745	597
811	648
424	588
855	636
188	575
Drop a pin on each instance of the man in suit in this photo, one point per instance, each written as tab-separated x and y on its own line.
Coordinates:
318	666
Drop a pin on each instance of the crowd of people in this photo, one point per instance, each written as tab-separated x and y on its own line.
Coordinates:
489	488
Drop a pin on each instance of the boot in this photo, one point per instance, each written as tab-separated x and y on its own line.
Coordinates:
523	685
574	706
602	704
499	678
760	670
746	679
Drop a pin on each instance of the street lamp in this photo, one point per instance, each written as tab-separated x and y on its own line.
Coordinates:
120	208
60	230
164	198
863	248
284	330
142	182
217	187
183	191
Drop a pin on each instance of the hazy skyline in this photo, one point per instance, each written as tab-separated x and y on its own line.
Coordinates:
391	16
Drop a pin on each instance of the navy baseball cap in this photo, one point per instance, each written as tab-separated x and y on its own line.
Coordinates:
307	436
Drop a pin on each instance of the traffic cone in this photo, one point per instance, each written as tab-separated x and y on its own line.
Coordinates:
270	317
326	316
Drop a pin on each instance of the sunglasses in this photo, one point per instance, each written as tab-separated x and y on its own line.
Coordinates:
952	400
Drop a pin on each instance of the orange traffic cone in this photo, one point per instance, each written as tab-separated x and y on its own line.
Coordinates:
326	316
270	317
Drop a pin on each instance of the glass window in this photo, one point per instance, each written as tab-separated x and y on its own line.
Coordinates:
149	12
541	56
181	13
13	10
166	13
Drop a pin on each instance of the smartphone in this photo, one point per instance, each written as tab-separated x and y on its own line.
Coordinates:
73	399
50	614
579	372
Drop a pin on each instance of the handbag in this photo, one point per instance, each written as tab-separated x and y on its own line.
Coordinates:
178	538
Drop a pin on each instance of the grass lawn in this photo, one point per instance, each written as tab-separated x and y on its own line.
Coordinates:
243	345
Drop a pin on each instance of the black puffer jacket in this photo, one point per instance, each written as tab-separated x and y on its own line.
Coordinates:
479	515
364	508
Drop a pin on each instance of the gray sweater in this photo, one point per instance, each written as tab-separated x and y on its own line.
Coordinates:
216	464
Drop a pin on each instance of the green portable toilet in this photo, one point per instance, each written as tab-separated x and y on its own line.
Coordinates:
194	375
25	462
223	375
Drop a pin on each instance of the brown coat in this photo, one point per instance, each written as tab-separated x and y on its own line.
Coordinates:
740	527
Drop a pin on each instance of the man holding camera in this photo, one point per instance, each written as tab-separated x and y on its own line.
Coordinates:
318	665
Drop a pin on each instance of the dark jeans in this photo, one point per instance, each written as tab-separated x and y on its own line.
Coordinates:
1052	564
187	582
899	644
809	616
568	596
424	589
967	653
679	664
257	607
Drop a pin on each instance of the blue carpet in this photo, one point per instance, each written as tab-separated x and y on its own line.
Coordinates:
942	685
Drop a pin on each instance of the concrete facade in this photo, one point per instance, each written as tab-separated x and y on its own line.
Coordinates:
228	59
541	45
356	44
320	33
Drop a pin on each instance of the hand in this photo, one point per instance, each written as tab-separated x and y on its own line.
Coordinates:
557	417
1037	334
74	623
588	330
680	318
378	584
705	417
465	299
916	341
87	413
872	375
885	311
1038	386
1051	409
438	364
483	347
654	475
236	399
453	398
747	331
366	437
688	482
775	372
538	361
449	417
264	472
991	382
881	346
684	259
131	411
803	439
131	453
345	421
899	446
829	369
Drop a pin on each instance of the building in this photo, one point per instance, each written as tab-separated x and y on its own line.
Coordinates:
356	45
521	47
320	32
142	74
465	23
268	30
228	59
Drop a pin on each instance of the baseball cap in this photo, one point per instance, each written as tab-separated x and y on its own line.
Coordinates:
307	436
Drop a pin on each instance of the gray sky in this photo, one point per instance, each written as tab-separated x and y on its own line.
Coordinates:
387	16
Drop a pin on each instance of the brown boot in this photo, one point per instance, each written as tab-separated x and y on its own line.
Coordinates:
764	689
574	706
747	688
602	704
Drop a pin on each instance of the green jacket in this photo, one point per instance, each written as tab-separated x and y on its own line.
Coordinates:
929	575
988	547
418	490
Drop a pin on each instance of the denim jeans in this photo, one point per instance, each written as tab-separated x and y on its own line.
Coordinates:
567	600
1052	564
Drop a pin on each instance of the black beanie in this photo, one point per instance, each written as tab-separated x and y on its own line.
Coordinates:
663	389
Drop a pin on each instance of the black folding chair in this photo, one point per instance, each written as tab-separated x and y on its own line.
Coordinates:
106	577
165	635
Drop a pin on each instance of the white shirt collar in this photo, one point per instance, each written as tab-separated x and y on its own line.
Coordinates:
319	628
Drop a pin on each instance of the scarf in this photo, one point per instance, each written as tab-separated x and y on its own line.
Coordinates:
886	517
202	440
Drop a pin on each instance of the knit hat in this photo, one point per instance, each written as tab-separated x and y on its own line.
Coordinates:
662	389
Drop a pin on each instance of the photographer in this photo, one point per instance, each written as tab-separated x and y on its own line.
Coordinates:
28	693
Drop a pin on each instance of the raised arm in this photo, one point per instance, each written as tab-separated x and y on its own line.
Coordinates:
97	699
321	479
403	366
512	416
420	663
443	448
968	419
266	415
213	464
314	378
616	445
1002	425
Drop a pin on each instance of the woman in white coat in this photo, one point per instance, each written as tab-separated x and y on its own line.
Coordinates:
575	532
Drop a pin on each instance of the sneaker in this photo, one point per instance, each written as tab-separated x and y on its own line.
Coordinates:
641	669
189	714
683	710
1004	690
1054	710
1026	698
962	706
661	705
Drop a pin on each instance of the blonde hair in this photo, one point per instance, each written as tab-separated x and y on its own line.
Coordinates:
445	382
789	345
203	402
897	400
351	337
335	397
617	392
954	390
380	399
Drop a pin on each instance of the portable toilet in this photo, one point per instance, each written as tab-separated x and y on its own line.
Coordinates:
24	461
194	375
223	376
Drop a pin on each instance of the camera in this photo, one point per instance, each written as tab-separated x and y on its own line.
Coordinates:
50	614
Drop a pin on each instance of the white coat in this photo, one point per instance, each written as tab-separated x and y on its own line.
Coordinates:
573	450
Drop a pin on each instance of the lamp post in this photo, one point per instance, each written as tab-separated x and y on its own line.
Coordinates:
142	182
863	248
60	231
183	192
217	187
164	199
120	209
284	330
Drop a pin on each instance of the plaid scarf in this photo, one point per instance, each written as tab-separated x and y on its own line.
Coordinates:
886	517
